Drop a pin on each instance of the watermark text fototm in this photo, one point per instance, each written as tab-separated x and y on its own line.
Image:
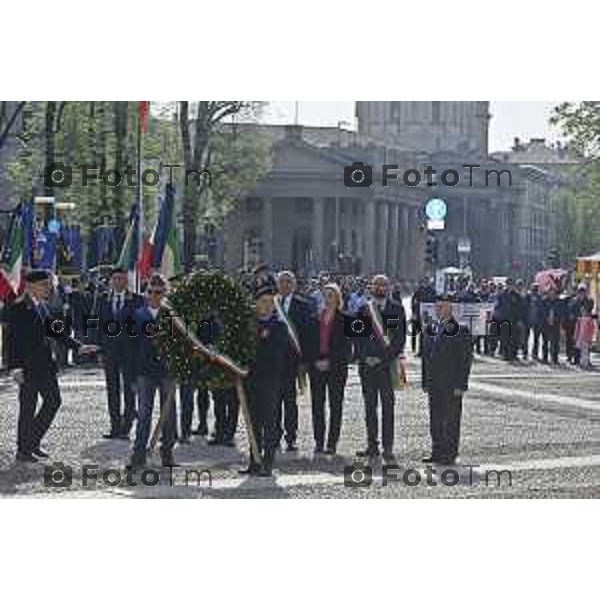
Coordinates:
360	475
360	175
59	475
60	175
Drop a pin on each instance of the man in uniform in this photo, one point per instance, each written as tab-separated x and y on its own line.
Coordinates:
446	364
263	383
33	364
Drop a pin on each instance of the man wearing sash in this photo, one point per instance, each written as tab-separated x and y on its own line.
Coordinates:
295	312
378	365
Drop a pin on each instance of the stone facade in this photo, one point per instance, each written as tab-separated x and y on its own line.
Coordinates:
301	215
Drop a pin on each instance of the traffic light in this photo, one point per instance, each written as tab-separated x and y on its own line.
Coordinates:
553	258
431	248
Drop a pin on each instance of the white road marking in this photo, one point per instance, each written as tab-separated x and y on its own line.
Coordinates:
497	390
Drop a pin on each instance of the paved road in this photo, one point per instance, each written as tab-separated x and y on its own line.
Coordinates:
540	423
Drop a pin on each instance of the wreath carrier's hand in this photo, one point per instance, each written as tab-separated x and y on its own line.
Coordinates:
322	365
19	376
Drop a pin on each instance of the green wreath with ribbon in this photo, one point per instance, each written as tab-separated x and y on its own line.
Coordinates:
220	312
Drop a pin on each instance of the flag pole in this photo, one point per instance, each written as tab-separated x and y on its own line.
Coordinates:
140	200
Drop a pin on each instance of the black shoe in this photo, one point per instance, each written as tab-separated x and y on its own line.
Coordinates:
429	459
26	457
368	453
265	471
388	457
168	461
291	447
123	436
138	461
319	450
251	469
113	435
215	442
184	440
330	450
40	453
201	430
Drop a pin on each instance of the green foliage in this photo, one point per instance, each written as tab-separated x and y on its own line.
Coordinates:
579	204
209	296
237	162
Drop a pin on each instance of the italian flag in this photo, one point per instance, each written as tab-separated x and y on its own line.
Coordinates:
171	260
12	271
128	257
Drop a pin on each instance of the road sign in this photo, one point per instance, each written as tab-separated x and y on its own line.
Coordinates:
436	209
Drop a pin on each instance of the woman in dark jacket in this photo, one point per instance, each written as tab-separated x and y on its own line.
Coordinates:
328	351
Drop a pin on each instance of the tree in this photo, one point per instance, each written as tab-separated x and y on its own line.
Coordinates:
579	202
196	133
8	119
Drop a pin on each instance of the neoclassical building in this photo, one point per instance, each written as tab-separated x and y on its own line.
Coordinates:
302	215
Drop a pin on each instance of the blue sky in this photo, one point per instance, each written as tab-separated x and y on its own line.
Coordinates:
523	119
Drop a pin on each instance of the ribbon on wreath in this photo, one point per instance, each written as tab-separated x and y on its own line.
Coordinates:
237	372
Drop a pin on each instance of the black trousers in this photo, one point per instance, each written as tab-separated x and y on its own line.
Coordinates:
329	383
287	409
263	401
226	407
570	349
119	377
186	408
377	386
32	425
445	412
551	340
537	334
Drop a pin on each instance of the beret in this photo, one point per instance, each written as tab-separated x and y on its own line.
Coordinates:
37	275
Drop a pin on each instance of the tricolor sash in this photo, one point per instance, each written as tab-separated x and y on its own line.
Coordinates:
397	365
294	339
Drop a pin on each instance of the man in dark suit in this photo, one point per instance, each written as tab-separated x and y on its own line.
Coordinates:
377	356
298	311
33	364
446	364
116	312
152	376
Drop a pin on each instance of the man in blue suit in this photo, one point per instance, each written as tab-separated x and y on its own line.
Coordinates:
152	376
115	311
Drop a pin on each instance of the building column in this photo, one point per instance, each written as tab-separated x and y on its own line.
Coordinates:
412	235
369	236
267	231
404	242
393	241
382	234
318	232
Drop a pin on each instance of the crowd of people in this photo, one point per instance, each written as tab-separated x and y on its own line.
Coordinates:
530	321
302	334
